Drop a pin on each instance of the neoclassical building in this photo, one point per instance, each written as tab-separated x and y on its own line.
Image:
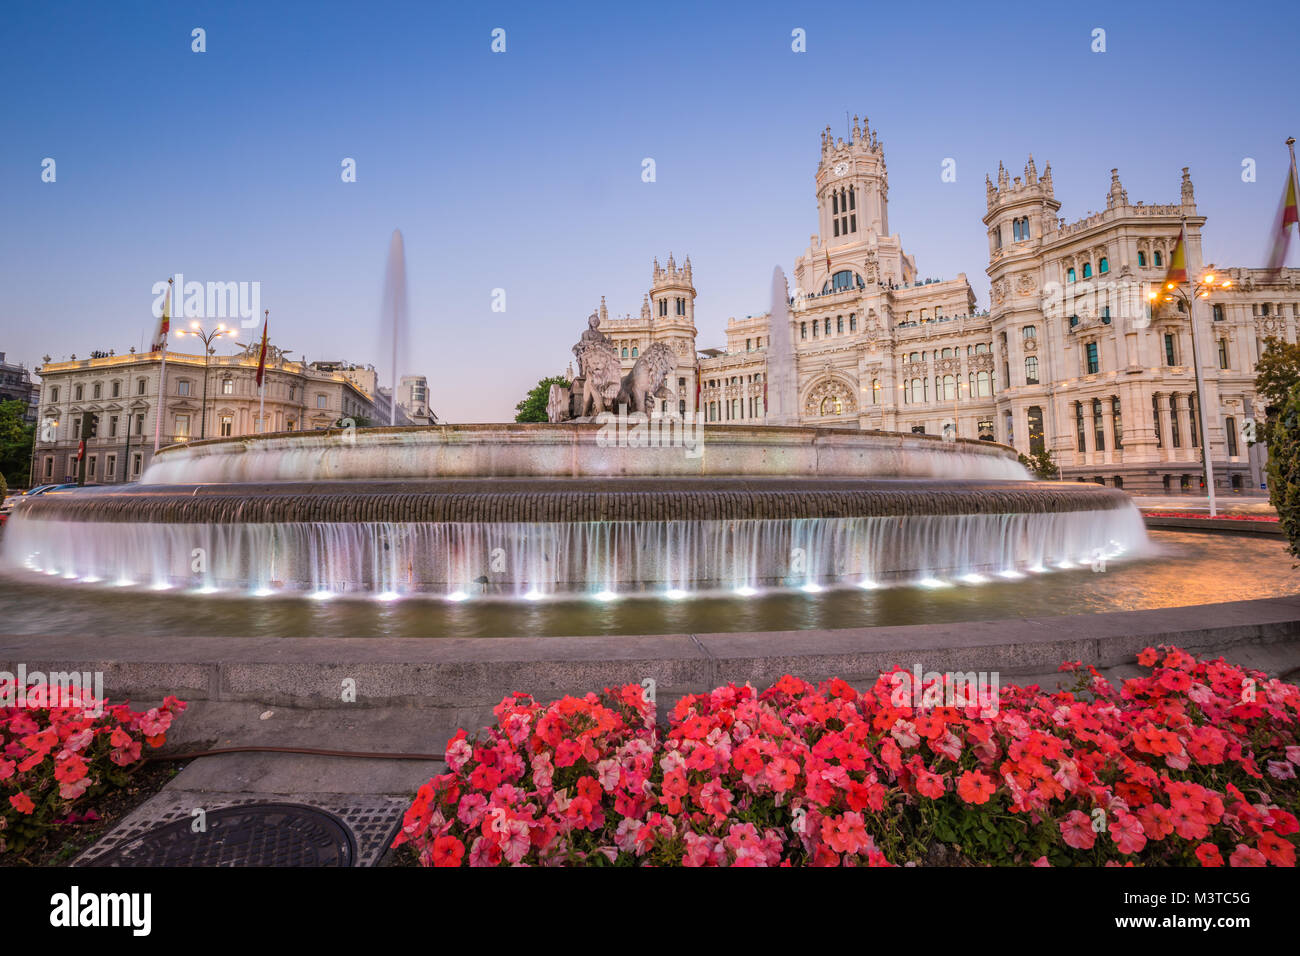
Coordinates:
1071	355
122	391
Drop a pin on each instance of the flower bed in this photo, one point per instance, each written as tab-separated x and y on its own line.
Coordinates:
67	749
1194	764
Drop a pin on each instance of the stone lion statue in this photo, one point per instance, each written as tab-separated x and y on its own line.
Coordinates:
599	369
648	379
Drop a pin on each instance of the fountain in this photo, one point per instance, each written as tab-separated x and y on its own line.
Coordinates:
781	377
395	322
599	505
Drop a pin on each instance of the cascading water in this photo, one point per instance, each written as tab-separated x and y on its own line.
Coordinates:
528	560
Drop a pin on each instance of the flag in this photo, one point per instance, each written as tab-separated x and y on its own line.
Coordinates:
1178	260
697	382
165	323
261	360
1288	216
828	259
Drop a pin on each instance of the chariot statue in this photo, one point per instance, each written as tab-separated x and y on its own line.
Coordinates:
599	369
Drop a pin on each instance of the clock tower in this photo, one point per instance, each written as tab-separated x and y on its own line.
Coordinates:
854	247
852	187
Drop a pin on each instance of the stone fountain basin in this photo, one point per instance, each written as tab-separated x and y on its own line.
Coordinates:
576	451
507	500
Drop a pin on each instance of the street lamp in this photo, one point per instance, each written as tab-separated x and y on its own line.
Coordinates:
1199	289
207	338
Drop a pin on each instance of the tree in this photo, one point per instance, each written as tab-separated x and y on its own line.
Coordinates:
16	440
1041	465
533	407
1284	468
1276	374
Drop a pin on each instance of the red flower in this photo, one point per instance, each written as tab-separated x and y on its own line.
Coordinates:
22	803
447	851
1277	851
974	787
1209	855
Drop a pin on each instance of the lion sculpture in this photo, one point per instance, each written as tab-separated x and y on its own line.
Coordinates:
648	379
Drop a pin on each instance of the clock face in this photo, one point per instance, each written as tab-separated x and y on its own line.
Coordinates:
841	168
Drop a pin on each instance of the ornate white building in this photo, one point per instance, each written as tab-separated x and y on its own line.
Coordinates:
1070	357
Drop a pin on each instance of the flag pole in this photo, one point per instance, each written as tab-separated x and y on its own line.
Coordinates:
162	373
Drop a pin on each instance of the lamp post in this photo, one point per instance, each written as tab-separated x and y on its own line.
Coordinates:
1198	289
207	338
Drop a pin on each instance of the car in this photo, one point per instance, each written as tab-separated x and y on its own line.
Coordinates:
17	500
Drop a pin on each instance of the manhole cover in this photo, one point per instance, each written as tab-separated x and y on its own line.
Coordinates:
260	834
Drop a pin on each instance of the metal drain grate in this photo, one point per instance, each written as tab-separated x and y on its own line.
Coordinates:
260	834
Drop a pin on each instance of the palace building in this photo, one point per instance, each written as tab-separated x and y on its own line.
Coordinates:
1070	356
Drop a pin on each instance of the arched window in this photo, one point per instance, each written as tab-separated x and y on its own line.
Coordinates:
1098	426
1069	274
625	352
1158	259
1104	266
634	351
981	348
842	280
1142	258
875	391
984	384
949	389
1031	370
803	330
946	353
1031	331
1087	270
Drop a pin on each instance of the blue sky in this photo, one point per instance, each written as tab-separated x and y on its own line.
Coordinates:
522	171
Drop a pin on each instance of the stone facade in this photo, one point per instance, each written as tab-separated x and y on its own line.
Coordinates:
1069	357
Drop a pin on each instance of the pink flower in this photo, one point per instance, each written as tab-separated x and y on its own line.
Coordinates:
1246	856
608	773
1126	829
1077	831
471	808
716	799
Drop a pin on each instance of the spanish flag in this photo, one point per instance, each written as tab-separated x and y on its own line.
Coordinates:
1178	261
1288	216
261	361
165	323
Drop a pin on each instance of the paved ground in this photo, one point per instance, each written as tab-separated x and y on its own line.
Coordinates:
368	795
1226	504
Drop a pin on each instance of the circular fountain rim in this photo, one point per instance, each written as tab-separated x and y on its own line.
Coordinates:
580	450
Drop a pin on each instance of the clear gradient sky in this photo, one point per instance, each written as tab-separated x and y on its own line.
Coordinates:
522	170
